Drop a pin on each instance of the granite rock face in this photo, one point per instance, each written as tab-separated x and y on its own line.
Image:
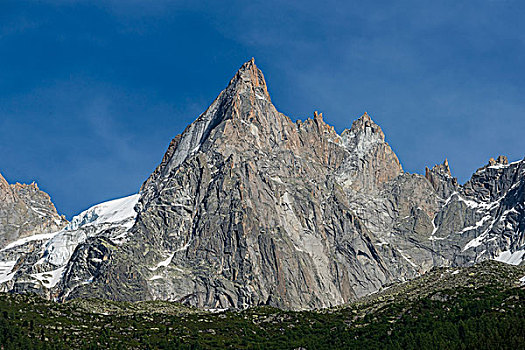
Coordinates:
25	211
248	208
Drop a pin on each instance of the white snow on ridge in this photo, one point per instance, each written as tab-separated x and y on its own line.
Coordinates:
469	203
59	246
118	211
501	166
473	204
113	211
22	241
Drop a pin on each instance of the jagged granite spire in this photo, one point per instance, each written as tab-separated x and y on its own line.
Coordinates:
371	162
246	211
441	179
25	211
249	79
237	100
6	194
365	125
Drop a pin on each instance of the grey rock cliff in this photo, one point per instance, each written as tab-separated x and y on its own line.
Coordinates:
25	211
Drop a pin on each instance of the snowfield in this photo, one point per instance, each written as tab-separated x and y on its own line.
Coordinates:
58	247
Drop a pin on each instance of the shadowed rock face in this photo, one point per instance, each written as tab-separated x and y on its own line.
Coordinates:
249	208
25	211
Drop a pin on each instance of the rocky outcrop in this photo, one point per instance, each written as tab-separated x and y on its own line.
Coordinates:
370	162
26	211
441	179
249	208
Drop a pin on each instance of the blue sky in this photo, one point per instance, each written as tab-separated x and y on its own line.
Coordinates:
91	94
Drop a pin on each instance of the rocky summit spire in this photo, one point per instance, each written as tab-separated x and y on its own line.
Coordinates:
367	126
372	161
244	101
6	194
248	192
3	182
25	211
442	169
441	179
249	79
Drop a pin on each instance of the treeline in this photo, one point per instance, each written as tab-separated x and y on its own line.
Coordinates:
464	319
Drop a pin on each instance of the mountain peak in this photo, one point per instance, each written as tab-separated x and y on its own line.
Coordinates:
2	180
440	177
250	78
502	160
5	189
246	93
443	168
365	125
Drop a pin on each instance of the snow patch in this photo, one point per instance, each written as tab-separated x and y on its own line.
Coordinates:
407	258
468	202
434	238
38	237
435	228
167	261
156	277
5	270
49	279
507	212
514	258
277	179
499	166
477	225
475	242
113	211
471	203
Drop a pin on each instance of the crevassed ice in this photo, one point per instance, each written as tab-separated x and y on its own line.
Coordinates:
61	244
22	241
113	211
60	248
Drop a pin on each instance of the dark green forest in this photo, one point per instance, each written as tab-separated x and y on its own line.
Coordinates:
487	316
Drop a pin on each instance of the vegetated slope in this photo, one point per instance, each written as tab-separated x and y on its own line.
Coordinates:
479	307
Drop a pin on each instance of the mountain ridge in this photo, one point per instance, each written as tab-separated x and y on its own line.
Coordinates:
250	208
